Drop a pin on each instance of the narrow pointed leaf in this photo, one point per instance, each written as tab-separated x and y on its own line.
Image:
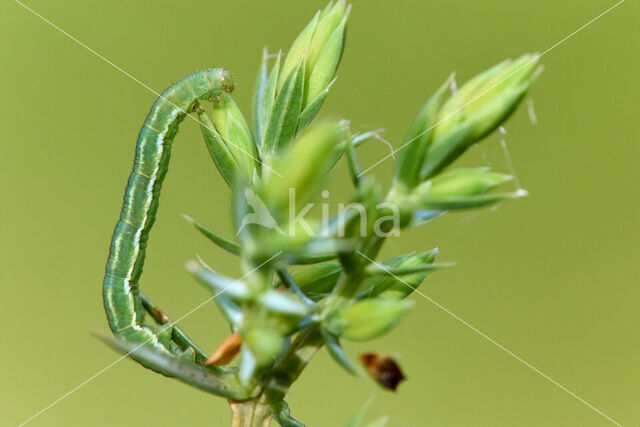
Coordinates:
312	108
298	52
220	154
416	143
217	283
337	353
220	381
394	288
259	92
216	238
286	112
232	127
285	303
269	99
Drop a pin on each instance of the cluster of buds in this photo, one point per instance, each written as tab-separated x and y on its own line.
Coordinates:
278	318
263	168
445	128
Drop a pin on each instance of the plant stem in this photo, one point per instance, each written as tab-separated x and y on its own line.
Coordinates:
249	413
309	340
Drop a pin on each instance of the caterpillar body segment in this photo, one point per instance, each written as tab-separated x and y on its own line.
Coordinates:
121	293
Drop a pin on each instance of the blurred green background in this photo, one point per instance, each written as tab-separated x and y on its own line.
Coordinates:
553	277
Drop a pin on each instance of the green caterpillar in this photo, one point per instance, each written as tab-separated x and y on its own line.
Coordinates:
122	301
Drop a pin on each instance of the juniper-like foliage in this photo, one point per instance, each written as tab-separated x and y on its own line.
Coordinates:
279	315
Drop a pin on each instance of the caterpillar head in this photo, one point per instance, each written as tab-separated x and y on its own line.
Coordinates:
227	82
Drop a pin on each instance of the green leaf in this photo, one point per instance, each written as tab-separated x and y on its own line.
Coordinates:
231	311
216	380
282	414
232	127
269	99
319	280
312	108
286	303
219	284
218	150
463	182
248	365
379	270
285	114
304	166
414	147
469	202
259	91
368	319
461	189
299	50
380	422
337	353
393	288
265	344
223	242
423	216
445	149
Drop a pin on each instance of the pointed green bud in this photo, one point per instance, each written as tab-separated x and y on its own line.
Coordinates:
232	127
368	319
461	189
477	109
465	182
313	58
416	143
326	50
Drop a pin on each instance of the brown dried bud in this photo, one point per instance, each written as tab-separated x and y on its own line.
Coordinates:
226	351
384	369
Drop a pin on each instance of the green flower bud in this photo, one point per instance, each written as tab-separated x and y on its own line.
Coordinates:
325	50
294	92
461	189
234	132
368	319
319	46
477	109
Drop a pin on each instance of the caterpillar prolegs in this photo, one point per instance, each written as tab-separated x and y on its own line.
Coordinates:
121	294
